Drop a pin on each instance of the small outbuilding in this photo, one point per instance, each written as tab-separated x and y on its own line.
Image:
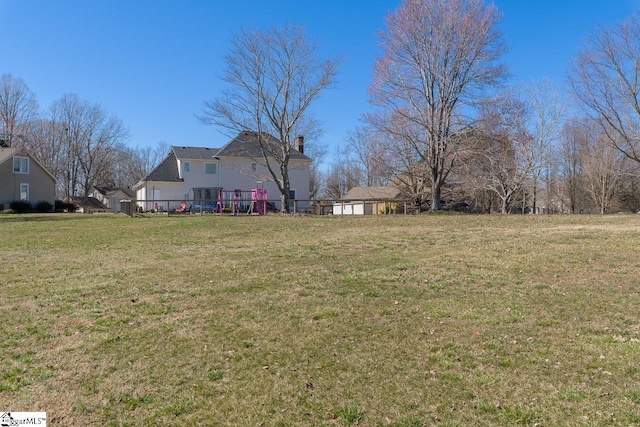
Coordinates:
368	201
110	197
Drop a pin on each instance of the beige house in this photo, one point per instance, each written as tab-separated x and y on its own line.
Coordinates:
197	175
368	201
22	178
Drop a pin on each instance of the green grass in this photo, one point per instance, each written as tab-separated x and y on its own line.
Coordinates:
321	321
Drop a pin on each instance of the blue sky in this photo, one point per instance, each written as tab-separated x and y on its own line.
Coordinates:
154	62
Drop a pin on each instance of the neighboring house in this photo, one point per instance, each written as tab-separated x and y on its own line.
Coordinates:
109	198
368	201
22	178
195	175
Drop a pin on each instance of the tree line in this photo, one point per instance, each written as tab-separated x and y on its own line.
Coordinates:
79	142
446	126
450	131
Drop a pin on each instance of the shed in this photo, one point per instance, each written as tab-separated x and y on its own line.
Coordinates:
367	201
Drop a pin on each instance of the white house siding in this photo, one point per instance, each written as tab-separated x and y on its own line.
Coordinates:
196	178
168	191
237	174
299	172
141	194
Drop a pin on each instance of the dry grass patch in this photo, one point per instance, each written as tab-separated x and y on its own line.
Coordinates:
400	321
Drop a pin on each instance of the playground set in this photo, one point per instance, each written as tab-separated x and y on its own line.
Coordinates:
234	202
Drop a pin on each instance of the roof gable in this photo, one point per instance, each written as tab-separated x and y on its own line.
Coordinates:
167	171
7	153
246	145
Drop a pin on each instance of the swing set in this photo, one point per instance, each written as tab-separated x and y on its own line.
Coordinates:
235	202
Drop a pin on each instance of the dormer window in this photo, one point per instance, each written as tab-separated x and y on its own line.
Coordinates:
20	164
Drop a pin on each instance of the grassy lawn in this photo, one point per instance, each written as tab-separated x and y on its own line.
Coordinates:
321	321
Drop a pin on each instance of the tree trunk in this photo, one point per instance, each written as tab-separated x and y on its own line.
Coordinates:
503	208
534	196
436	201
284	200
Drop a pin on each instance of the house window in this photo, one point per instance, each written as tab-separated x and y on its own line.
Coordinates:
187	166
24	192
210	168
20	164
254	167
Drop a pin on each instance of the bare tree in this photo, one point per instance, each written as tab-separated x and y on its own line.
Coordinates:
369	152
90	141
603	167
606	78
500	174
145	160
312	130
407	168
130	165
273	77
500	160
343	175
66	117
46	143
548	111
18	109
629	194
316	153
570	157
437	55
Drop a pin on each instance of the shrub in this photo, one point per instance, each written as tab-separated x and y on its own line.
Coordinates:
64	206
44	206
20	206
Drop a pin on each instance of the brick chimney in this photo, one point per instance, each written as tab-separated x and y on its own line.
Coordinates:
298	144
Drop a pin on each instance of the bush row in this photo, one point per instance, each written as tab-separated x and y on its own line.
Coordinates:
22	206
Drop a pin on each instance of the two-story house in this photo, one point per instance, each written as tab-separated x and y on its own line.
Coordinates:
196	175
22	178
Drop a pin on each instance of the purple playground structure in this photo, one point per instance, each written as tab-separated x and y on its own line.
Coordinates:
235	202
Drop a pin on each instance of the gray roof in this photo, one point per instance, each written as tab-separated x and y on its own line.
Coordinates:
194	153
371	193
166	171
246	145
107	191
